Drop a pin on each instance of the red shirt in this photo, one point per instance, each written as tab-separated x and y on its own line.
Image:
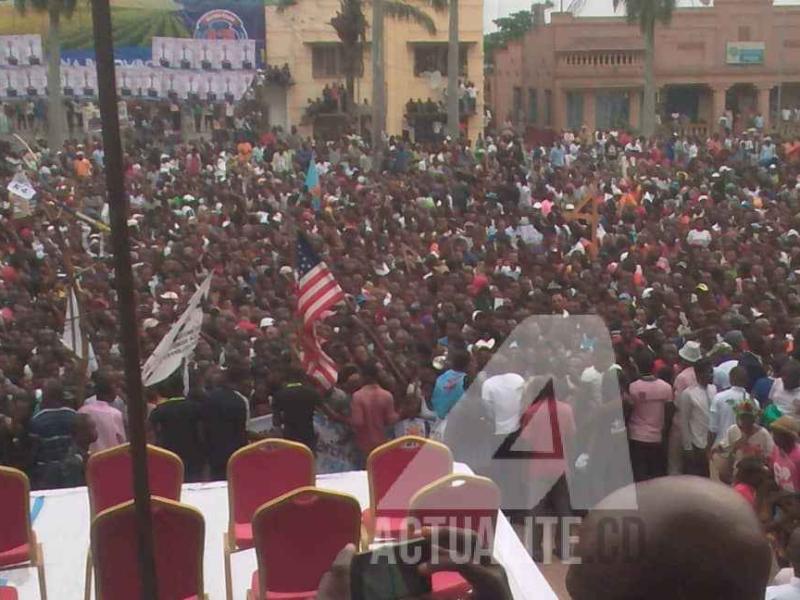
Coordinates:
371	414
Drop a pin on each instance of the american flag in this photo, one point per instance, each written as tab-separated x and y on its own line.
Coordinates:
317	293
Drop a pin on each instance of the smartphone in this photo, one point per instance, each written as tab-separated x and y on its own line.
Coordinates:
390	572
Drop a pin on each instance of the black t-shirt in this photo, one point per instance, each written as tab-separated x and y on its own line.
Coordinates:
295	404
176	423
224	416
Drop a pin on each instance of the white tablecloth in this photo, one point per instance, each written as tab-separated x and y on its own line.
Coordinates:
62	526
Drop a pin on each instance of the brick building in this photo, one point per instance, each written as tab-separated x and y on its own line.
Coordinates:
738	57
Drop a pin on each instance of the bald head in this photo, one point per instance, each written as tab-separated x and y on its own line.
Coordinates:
689	538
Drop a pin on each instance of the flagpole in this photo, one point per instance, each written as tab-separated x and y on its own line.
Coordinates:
69	269
126	301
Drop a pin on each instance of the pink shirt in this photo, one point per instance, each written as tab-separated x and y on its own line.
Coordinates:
649	397
549	430
371	414
786	468
109	424
684	379
747	492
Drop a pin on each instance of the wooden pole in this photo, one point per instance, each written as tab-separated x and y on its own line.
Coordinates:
123	272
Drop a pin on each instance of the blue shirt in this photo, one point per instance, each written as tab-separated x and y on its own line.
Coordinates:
447	392
556	156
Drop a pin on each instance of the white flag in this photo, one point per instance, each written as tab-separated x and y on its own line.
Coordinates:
180	341
72	337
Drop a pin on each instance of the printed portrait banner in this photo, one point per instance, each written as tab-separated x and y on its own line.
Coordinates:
136	23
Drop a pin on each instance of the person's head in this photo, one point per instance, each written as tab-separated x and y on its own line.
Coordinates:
738	377
704	371
171	387
784	431
459	361
751	470
644	361
746	417
104	386
370	373
790	374
53	394
687	538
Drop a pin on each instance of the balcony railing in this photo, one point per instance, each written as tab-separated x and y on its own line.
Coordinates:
604	60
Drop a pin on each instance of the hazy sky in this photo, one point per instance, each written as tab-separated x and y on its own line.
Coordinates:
493	9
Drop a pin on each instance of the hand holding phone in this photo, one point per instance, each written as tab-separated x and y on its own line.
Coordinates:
391	572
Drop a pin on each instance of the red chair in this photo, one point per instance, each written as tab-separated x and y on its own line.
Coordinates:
178	540
109	478
8	593
297	538
461	502
259	473
396	471
18	545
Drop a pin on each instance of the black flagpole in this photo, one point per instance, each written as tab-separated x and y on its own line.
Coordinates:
123	277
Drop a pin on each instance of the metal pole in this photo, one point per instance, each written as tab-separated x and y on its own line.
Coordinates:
123	275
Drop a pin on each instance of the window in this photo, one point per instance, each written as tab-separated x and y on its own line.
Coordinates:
326	61
612	110
433	57
574	110
533	107
517	104
744	33
548	108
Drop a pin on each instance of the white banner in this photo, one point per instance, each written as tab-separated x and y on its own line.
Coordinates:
180	341
72	336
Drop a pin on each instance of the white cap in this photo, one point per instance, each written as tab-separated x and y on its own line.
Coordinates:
267	322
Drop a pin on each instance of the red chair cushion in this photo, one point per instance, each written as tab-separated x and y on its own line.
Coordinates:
449	585
243	534
15	556
255	588
8	593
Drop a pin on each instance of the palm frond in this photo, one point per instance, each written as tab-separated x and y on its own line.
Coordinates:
647	12
440	5
63	8
284	4
408	12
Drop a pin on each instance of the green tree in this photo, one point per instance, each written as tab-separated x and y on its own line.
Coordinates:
55	10
512	27
648	13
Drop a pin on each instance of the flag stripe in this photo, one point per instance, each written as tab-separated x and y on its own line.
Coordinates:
317	292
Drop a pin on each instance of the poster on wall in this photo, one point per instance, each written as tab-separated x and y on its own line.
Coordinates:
137	22
745	53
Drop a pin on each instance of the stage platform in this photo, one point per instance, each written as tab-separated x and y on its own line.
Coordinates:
61	521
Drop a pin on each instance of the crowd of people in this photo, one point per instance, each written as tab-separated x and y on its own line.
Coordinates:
443	250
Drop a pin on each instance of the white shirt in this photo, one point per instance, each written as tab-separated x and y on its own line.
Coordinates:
722	374
502	399
693	409
789	591
593	380
721	414
788	401
699	238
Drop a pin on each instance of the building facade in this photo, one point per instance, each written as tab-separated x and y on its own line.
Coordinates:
301	36
738	58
